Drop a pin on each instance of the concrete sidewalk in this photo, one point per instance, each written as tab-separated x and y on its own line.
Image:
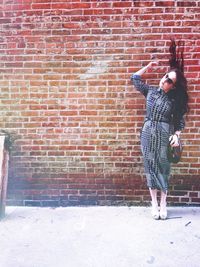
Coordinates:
99	237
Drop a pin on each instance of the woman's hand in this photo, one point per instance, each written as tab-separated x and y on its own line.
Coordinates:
174	140
153	64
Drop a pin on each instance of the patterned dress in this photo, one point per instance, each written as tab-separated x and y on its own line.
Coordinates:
155	133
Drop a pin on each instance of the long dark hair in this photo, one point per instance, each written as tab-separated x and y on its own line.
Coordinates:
180	94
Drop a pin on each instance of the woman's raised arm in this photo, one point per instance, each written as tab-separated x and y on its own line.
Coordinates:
144	69
138	83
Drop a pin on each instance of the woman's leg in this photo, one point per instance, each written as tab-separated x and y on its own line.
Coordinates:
163	205
154	202
153	193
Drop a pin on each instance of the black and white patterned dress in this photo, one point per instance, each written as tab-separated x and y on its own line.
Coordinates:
155	133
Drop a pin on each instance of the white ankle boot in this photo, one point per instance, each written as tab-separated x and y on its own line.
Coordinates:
163	212
154	211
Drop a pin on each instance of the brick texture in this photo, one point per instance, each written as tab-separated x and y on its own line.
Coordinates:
66	95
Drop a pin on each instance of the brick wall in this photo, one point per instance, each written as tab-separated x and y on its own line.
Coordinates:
67	97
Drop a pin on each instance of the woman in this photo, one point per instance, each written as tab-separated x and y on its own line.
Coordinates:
165	105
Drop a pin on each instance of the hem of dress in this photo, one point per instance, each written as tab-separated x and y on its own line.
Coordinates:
156	188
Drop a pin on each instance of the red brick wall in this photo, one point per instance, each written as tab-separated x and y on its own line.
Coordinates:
66	94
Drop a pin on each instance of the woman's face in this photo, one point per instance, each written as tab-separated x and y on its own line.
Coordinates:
168	81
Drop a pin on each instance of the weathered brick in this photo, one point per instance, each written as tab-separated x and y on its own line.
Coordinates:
66	93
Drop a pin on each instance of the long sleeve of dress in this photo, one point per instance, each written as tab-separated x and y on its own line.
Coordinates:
140	85
179	124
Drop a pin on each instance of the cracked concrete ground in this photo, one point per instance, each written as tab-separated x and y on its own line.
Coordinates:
99	237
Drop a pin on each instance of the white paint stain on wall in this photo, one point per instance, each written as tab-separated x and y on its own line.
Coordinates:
97	67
